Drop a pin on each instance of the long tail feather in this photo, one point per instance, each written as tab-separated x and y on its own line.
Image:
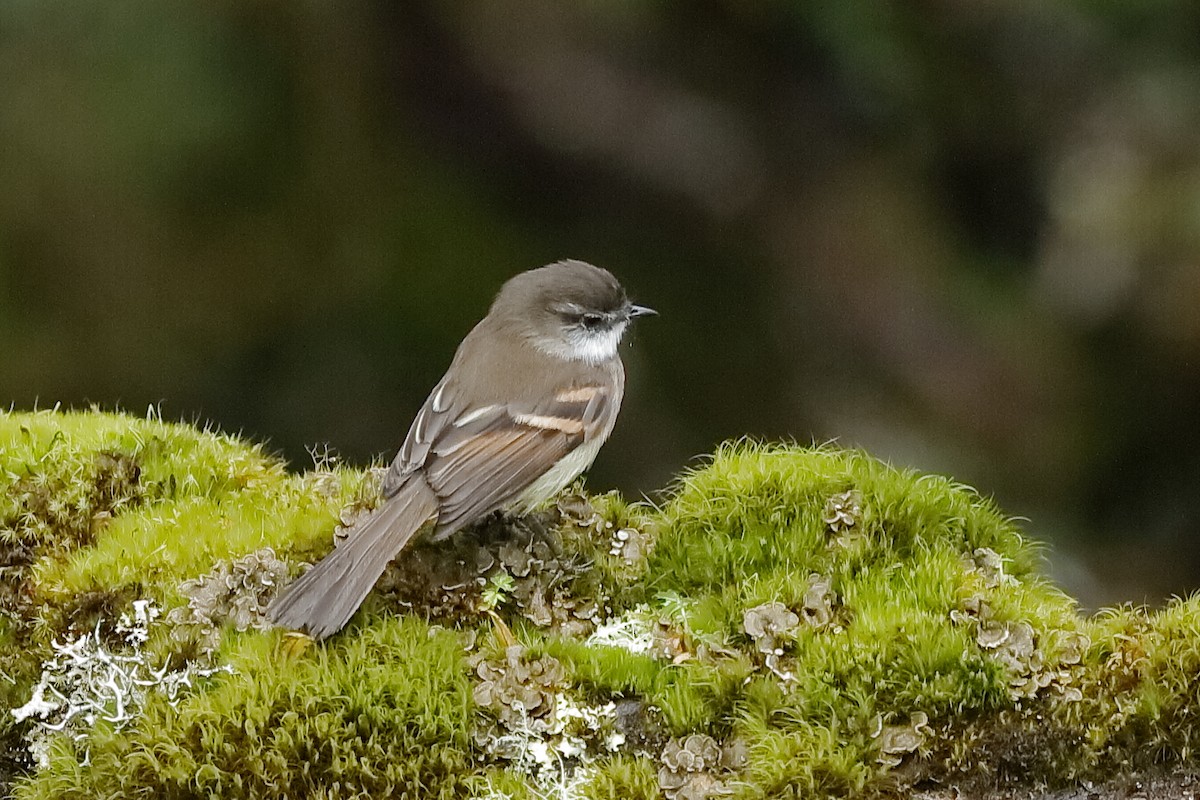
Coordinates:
322	600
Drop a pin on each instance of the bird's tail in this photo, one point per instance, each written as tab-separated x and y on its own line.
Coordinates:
322	600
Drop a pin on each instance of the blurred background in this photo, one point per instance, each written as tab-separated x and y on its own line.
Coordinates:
963	235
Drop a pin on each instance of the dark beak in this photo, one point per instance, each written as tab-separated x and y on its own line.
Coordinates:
641	311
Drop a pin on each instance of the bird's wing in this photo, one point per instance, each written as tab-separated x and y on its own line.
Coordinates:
479	459
441	410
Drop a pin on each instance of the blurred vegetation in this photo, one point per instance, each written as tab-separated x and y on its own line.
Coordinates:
965	237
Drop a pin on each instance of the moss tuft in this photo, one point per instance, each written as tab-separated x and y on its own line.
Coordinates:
624	778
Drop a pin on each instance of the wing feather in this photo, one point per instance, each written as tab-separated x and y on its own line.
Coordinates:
479	459
502	465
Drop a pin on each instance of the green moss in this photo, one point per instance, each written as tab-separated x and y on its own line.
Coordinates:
383	713
1142	691
90	495
134	550
507	785
700	697
754	513
850	626
624	778
97	510
607	671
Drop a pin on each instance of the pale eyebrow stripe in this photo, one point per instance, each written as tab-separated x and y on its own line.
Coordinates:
564	424
470	417
581	394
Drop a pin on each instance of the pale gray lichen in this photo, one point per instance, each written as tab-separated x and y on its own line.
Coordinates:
989	565
361	507
518	690
895	742
770	625
533	723
767	624
697	767
1014	645
543	592
971	610
323	479
549	554
1072	647
235	592
631	545
635	631
842	511
842	516
673	638
85	681
819	601
1030	664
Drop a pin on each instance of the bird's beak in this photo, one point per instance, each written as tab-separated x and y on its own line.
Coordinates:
641	311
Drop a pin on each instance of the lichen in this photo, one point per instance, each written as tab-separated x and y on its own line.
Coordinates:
534	724
560	575
697	767
86	682
234	593
899	740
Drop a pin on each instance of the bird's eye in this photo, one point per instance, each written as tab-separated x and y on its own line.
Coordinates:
591	320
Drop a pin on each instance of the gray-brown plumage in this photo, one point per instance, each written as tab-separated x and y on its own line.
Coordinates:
531	395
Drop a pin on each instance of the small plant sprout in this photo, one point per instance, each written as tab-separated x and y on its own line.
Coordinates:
498	588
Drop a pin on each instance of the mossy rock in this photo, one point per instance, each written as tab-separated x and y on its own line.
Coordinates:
790	622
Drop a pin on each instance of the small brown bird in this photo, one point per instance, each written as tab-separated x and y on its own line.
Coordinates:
531	395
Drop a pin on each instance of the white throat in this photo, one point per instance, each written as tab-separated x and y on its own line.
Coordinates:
579	344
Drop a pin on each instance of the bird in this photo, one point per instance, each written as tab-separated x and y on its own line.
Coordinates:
531	395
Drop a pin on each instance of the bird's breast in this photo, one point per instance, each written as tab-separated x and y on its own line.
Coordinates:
555	479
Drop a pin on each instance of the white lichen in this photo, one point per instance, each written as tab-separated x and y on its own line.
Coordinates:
86	682
634	631
537	729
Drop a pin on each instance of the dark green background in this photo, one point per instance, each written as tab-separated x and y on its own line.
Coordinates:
963	235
